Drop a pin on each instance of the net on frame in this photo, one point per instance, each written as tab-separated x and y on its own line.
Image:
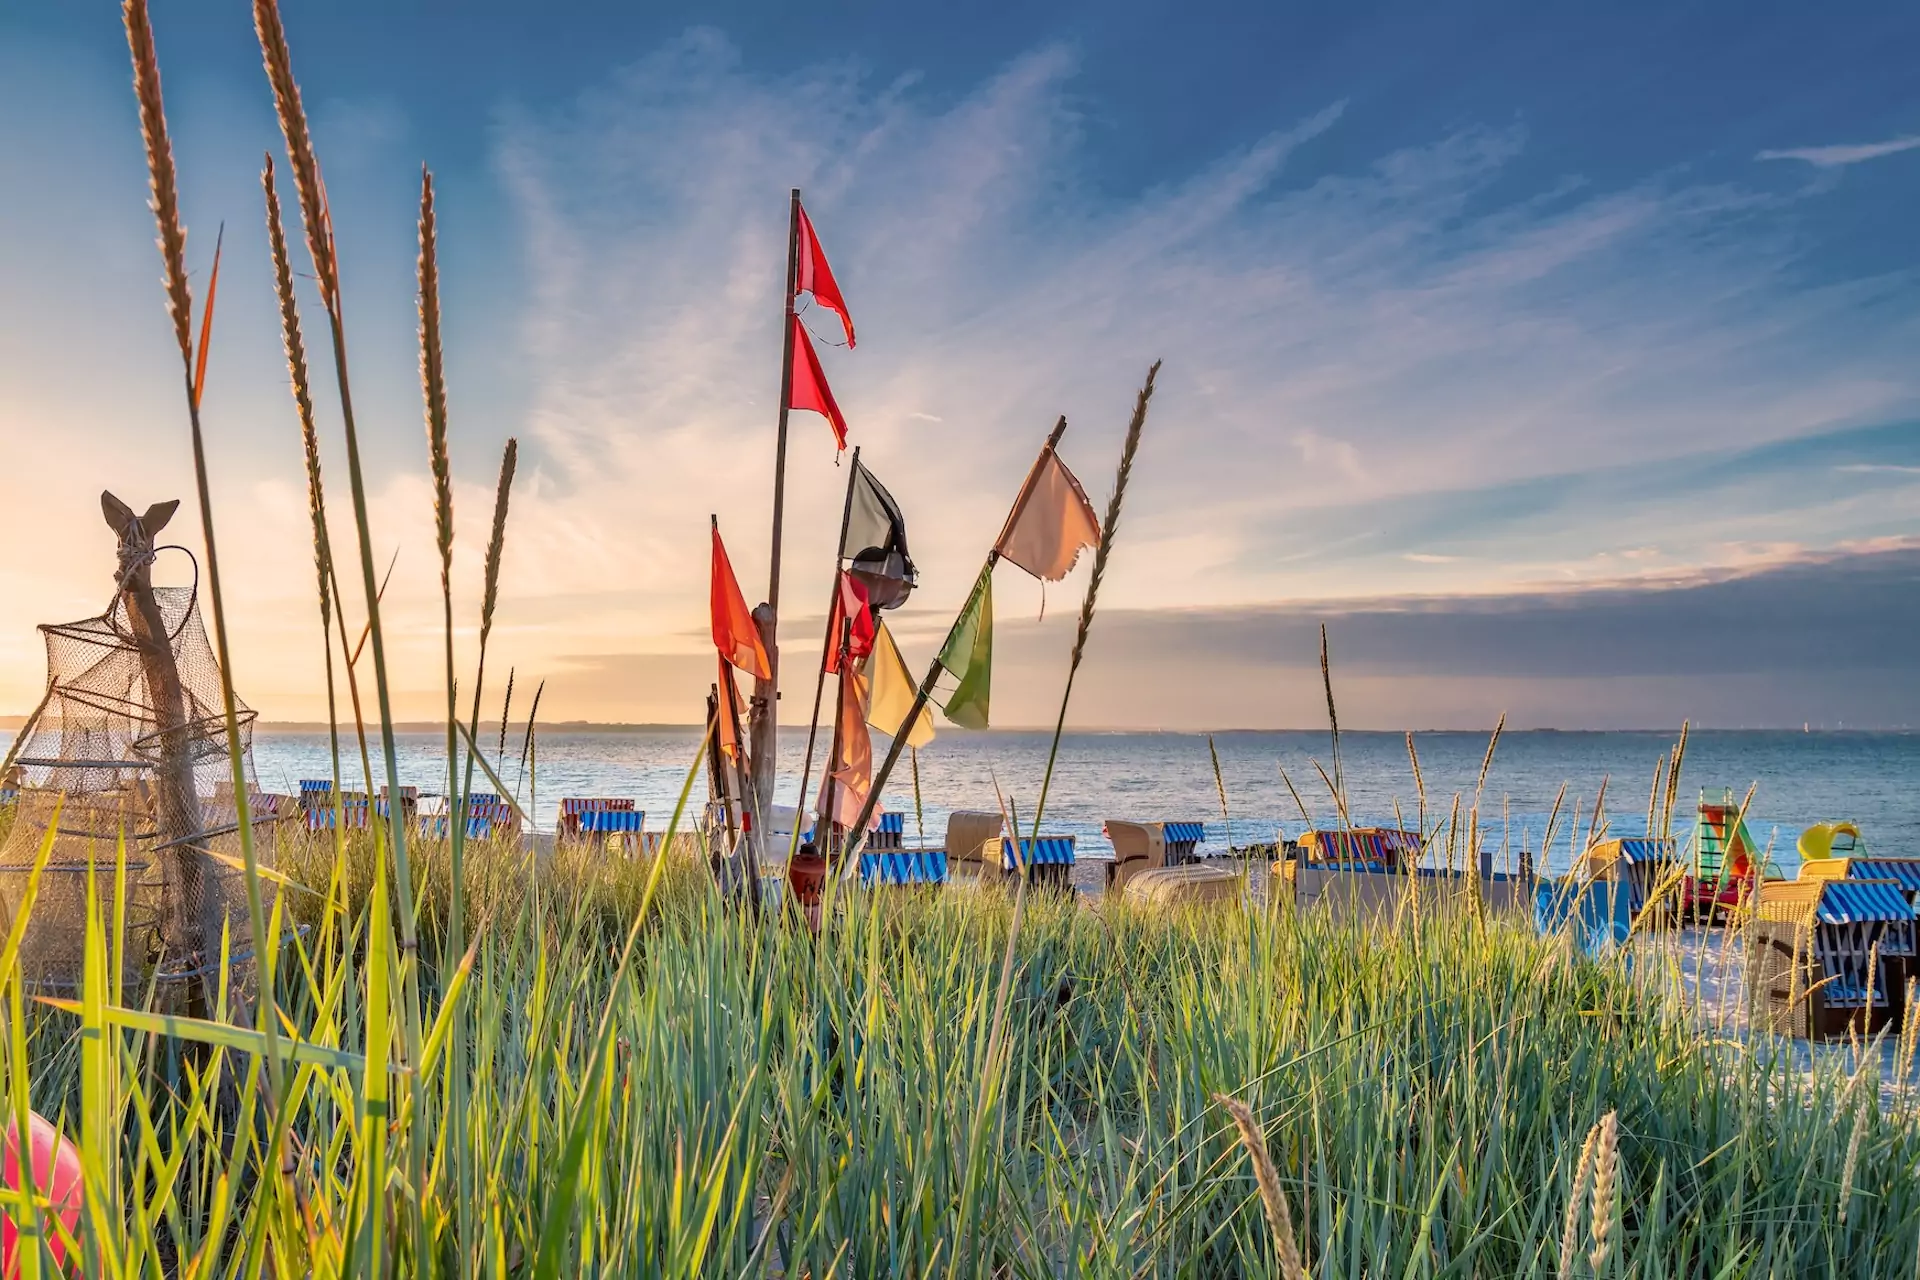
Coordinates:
128	749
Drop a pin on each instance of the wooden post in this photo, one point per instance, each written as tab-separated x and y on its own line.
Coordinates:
826	644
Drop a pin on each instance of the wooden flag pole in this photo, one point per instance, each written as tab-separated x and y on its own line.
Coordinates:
823	823
826	645
764	714
925	691
750	826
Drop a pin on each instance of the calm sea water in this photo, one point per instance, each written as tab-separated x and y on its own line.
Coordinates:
1802	778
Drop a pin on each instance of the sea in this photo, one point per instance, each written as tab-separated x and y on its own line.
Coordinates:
1267	785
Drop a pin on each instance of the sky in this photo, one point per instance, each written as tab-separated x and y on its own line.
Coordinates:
1559	360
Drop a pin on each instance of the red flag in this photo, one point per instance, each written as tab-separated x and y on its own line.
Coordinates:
735	634
850	601
816	277
809	389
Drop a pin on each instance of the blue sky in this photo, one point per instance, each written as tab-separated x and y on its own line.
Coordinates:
1471	303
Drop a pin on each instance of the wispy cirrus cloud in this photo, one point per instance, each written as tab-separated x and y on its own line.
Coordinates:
1413	369
1345	338
1842	154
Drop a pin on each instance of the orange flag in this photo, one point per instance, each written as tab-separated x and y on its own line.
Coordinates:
735	634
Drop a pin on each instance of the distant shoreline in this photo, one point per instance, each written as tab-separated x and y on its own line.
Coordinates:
9	723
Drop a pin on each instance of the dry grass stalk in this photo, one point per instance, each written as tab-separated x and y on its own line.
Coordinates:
506	711
496	544
1333	721
161	177
1853	1157
1419	784
1653	793
1673	780
306	167
433	383
1272	1196
296	349
1606	1167
1576	1200
1109	528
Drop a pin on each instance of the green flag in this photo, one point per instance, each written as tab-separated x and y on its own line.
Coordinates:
969	656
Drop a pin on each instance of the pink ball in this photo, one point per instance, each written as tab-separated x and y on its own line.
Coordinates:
56	1175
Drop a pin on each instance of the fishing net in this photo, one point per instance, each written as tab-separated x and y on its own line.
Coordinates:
129	750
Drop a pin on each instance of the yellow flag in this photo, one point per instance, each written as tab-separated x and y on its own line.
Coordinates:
893	691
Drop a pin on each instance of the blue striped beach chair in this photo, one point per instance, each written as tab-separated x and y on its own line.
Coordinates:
626	826
1048	860
903	867
1827	958
573	808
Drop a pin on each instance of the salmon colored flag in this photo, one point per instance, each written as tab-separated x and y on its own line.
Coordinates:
735	634
852	772
892	692
809	389
850	601
1052	524
814	276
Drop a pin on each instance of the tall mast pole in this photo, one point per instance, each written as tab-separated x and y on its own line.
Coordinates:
857	836
764	714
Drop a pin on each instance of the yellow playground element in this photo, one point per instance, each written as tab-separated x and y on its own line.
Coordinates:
1825	840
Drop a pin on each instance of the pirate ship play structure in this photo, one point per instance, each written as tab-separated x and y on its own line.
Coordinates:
128	750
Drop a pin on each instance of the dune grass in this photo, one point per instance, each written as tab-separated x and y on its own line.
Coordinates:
779	1103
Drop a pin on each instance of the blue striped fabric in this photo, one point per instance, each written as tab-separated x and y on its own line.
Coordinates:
613	820
1047	851
893	824
1847	901
1193	832
911	866
1645	850
1904	870
308	785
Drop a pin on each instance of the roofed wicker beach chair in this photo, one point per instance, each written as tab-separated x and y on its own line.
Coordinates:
886	860
968	832
624	828
1147	846
1048	860
1827	958
1646	867
573	808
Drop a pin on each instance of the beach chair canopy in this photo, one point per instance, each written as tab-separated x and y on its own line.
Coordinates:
1047	851
904	867
1860	901
613	821
1904	872
1363	848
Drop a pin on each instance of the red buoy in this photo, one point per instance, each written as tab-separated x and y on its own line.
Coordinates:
56	1175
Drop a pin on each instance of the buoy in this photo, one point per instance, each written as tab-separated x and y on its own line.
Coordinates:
56	1175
